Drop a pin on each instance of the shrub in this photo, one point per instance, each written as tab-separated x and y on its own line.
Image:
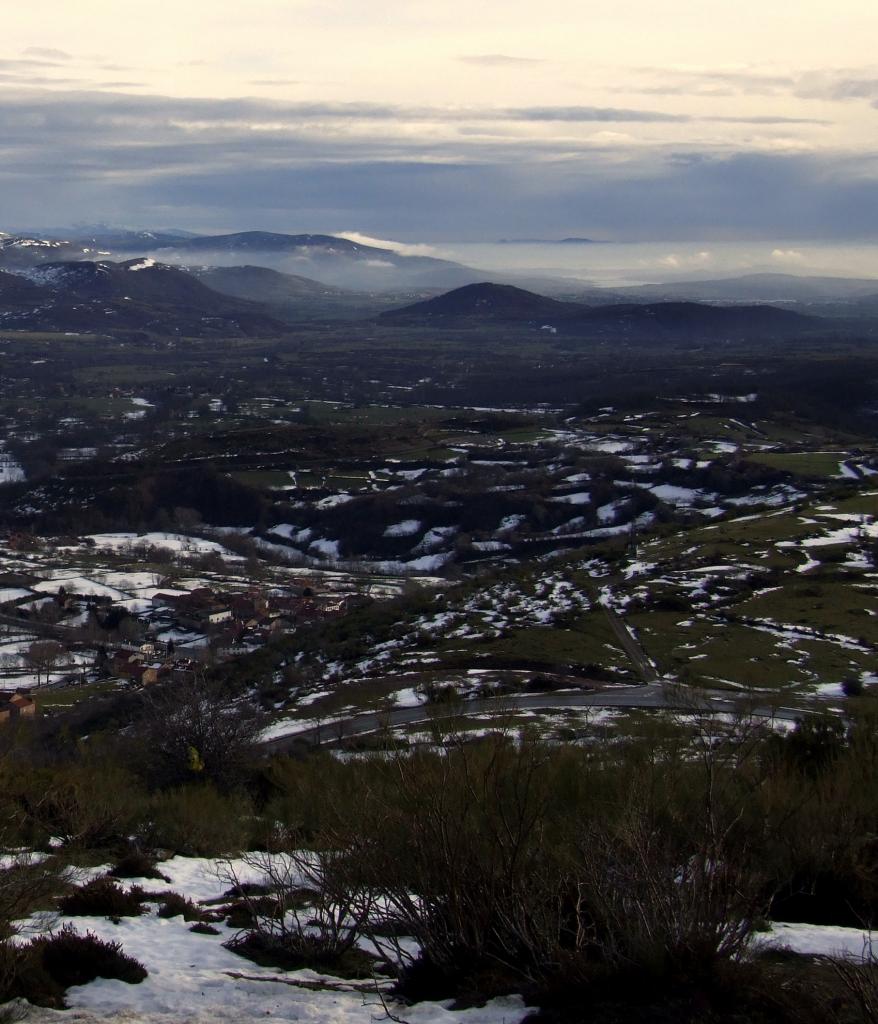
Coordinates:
815	744
28	883
673	905
203	928
92	803
585	873
103	898
246	912
858	981
199	821
73	959
853	686
136	864
318	923
268	951
173	904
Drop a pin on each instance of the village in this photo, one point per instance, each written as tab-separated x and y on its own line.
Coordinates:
90	630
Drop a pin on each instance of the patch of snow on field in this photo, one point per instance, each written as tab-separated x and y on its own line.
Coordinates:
490	545
409	698
608	513
407	528
832	690
435	538
674	495
427	563
334	499
79	585
10	471
172	541
327	548
131	581
808	565
285	530
609	446
510	523
637	568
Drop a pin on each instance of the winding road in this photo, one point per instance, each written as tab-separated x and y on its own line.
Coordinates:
650	695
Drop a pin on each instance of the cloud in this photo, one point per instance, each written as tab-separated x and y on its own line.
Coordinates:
403	248
249	114
672	261
584	114
768	119
828	84
788	256
14	62
839	85
216	164
500	60
47	53
14	78
608	138
710	82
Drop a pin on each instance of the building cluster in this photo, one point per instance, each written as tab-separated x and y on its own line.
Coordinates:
14	704
170	637
186	625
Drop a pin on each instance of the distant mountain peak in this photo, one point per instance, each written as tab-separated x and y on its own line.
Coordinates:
486	301
573	240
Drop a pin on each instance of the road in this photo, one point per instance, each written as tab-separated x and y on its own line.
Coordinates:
651	695
631	646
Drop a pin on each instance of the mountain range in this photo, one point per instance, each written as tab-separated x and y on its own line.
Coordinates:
487	303
258	282
761	288
333	261
136	295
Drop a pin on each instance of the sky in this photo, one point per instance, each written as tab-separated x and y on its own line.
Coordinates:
631	120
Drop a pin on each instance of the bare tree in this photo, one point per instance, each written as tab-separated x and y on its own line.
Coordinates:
193	730
43	656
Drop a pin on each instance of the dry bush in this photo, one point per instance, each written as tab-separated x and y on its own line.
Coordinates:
89	803
460	849
670	907
857	978
199	821
317	910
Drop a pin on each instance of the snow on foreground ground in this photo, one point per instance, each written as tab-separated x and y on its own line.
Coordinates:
194	980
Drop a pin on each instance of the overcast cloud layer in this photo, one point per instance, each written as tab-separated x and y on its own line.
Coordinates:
685	119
